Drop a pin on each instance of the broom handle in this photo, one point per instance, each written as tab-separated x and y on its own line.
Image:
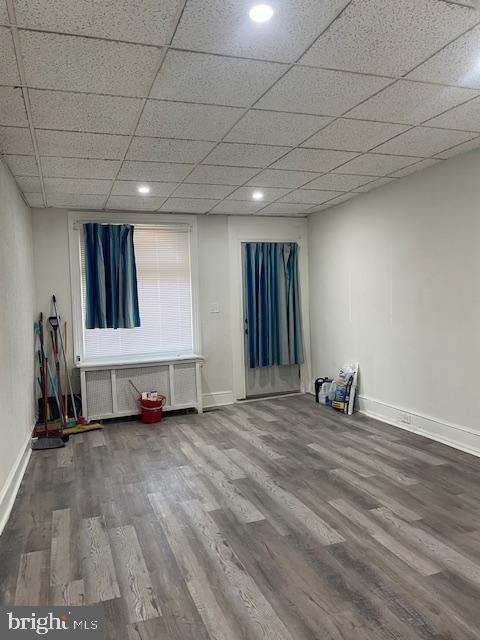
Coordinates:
53	338
65	396
47	373
65	359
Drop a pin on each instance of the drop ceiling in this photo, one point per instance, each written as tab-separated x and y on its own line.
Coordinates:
324	102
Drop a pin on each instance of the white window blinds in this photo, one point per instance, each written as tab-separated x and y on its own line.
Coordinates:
164	297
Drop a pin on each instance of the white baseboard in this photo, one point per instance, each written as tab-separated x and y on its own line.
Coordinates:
217	399
453	435
12	484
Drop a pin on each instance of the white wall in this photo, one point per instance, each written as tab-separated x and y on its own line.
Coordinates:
52	270
215	327
16	338
52	275
394	284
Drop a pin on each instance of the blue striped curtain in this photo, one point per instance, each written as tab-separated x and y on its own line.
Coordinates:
272	296
111	274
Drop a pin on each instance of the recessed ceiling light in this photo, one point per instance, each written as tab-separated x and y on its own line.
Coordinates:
143	189
261	13
257	195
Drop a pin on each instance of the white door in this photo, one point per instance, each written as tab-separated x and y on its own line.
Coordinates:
266	381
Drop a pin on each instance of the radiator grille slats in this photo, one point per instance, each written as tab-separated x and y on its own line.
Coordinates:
107	392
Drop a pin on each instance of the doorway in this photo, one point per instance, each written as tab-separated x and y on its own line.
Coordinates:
261	381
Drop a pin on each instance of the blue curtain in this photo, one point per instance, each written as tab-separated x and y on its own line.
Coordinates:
111	273
272	296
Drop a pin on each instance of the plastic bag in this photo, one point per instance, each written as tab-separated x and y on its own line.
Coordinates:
345	388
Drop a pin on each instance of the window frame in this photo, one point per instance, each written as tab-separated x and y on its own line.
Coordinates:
75	221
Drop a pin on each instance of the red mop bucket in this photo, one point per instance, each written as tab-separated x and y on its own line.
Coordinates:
152	410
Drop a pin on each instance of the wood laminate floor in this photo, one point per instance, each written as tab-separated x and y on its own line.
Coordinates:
277	520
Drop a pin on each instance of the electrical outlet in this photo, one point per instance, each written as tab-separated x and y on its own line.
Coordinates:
405	418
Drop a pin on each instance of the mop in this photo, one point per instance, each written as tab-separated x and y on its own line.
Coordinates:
79	423
45	439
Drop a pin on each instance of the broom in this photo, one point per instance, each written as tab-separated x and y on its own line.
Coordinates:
79	423
45	440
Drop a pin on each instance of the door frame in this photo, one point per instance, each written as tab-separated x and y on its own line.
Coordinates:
245	348
287	230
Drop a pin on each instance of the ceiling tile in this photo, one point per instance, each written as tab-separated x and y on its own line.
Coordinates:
22	165
70	144
8	61
130	188
354	135
283	215
212	191
148	22
338	182
282	179
79	168
424	142
164	150
465	116
322	207
418	166
12	108
35	200
132	203
464	3
343	198
411	102
29	185
223	26
310	196
388	37
209	174
461	148
69	63
198	77
3	12
333	203
320	91
185	120
82	112
455	64
374	185
285	208
239	207
273	127
244	155
75	200
157	171
246	193
16	140
318	160
376	164
188	205
76	186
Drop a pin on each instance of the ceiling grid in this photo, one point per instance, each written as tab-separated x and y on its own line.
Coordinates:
319	105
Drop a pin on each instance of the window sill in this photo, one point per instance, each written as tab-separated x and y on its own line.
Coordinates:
111	363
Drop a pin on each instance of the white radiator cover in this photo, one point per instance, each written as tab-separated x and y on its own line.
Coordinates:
107	393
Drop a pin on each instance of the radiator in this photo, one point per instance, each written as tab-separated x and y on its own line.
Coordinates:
107	393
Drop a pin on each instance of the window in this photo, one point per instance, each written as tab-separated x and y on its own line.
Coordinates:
164	296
